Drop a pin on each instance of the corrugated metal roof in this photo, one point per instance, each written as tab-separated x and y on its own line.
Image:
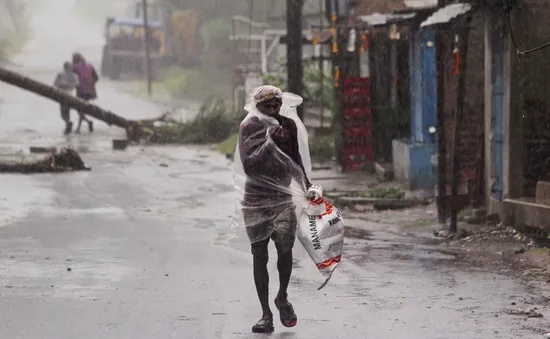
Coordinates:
417	4
378	19
379	6
136	22
446	14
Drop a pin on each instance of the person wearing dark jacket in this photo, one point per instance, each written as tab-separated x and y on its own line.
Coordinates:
268	209
86	89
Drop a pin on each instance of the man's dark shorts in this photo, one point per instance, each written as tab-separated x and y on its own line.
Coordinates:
277	223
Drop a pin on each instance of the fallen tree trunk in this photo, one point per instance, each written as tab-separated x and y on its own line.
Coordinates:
54	94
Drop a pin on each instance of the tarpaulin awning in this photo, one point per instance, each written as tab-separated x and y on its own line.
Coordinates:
379	19
420	4
446	14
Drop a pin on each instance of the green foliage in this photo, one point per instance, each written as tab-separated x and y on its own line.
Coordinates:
214	38
229	145
11	45
321	148
195	84
312	83
386	193
312	89
215	30
212	124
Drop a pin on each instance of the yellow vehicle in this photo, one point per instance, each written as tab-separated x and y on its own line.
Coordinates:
124	48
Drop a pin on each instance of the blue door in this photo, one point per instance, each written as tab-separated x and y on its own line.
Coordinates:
415	88
428	83
497	114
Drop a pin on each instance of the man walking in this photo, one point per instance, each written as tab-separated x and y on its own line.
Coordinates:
270	156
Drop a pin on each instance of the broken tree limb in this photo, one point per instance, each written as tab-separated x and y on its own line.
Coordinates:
136	130
54	94
68	160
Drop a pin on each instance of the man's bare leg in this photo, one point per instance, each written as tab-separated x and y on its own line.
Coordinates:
284	265
261	280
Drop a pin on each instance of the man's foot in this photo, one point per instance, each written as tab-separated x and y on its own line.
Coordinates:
77	131
90	126
286	312
265	325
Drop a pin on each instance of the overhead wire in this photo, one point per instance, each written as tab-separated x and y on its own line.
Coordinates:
519	52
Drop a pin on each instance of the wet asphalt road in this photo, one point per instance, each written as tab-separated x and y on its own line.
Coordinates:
140	247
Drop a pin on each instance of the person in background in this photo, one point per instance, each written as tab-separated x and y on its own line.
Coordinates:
66	81
86	89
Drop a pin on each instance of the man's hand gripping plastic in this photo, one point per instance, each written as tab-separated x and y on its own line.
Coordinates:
315	192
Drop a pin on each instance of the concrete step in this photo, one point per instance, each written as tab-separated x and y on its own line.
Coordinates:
518	212
543	192
384	171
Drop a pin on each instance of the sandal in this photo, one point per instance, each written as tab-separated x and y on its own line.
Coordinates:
263	326
286	313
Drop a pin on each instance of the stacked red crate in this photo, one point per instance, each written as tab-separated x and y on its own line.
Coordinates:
357	124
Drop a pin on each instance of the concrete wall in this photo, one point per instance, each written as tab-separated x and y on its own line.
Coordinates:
401	161
413	165
530	98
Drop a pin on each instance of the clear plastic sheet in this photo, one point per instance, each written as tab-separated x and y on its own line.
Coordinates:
270	186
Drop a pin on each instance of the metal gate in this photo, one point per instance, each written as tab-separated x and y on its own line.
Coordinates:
357	124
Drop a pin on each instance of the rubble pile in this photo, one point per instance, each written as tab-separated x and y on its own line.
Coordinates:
67	160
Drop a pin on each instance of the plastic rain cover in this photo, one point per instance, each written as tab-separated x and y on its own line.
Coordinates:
271	193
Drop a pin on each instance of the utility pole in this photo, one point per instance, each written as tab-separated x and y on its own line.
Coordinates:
147	43
295	69
321	65
441	149
461	68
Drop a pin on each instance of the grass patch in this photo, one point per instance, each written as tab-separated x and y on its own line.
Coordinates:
423	223
538	251
229	145
386	193
382	193
158	90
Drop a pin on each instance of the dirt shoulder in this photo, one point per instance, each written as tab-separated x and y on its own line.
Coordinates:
522	254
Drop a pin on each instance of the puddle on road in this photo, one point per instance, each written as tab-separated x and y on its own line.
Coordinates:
424	256
396	247
430	241
203	223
